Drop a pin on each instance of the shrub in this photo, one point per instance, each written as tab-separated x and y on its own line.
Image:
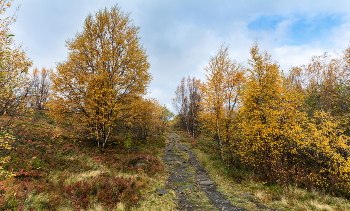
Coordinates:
103	189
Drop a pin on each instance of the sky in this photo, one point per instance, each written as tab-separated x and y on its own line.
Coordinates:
180	36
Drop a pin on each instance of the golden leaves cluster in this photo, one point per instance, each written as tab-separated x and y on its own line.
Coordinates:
106	70
14	66
280	139
286	129
146	117
224	78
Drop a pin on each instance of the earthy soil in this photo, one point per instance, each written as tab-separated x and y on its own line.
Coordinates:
191	182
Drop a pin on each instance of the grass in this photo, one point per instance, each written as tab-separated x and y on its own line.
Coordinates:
241	188
53	171
156	202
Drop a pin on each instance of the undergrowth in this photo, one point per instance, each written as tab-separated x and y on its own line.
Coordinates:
243	189
50	170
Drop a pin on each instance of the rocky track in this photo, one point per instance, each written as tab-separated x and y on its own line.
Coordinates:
191	182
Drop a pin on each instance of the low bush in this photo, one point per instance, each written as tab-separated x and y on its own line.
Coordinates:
104	189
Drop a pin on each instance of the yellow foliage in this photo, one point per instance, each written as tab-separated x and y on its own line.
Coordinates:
220	97
286	130
14	65
324	82
106	70
145	117
6	139
278	140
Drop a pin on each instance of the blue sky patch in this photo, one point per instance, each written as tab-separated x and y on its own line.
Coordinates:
303	29
307	30
265	22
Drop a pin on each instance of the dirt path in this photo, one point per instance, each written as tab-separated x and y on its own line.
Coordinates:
191	182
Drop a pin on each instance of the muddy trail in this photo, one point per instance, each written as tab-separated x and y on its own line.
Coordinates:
191	182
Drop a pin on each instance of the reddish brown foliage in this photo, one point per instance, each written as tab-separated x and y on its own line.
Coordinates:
104	189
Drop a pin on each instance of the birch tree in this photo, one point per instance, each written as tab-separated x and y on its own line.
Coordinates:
224	77
39	87
106	69
187	103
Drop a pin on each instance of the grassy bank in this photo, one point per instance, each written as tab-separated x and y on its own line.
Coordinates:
50	169
244	190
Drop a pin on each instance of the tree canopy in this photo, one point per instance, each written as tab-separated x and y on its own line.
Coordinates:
106	69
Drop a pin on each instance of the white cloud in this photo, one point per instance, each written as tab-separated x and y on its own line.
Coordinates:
340	36
291	56
180	36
